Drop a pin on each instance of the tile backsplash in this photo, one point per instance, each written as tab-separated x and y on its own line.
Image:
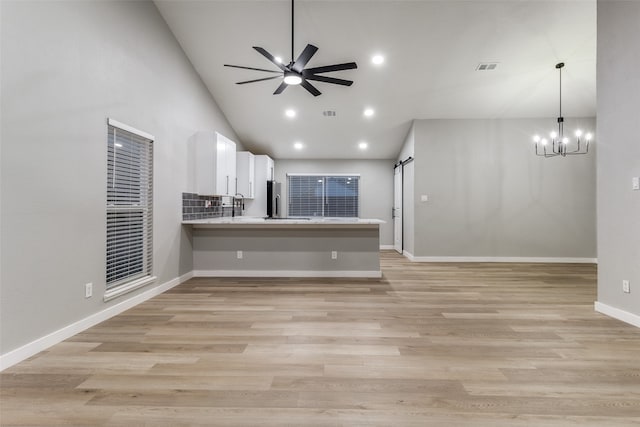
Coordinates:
195	206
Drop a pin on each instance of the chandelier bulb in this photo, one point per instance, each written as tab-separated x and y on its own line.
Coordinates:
588	137
536	139
544	141
565	140
553	135
578	133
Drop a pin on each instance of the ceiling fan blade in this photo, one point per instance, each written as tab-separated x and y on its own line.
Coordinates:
280	88
329	80
251	68
304	57
308	86
329	68
258	80
270	58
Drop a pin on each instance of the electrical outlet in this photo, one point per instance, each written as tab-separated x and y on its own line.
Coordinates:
239	254
334	254
625	286
88	290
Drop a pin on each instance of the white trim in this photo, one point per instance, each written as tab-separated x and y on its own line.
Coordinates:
130	129
129	287
21	353
408	255
551	260
287	273
616	313
387	247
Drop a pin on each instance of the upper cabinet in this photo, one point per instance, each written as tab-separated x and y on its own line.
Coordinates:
263	172
215	164
271	172
246	171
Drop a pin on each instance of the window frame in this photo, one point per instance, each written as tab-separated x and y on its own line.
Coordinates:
120	204
325	177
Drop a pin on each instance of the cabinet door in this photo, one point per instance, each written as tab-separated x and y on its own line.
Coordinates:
230	164
252	176
271	173
225	166
245	170
222	177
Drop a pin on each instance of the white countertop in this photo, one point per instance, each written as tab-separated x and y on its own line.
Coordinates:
244	221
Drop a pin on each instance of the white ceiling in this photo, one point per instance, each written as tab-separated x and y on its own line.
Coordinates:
432	49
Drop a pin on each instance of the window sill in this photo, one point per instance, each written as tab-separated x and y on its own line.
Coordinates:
129	287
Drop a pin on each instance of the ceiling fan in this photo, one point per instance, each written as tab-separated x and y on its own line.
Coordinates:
294	73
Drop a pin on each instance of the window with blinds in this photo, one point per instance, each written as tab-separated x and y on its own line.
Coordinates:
129	206
323	195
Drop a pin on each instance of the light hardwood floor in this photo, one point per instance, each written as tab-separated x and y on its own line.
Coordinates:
426	345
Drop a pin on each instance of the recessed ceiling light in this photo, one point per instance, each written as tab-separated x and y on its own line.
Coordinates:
290	113
363	145
377	59
278	59
298	145
369	112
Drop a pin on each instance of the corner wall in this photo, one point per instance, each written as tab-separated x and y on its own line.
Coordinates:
618	138
490	196
66	68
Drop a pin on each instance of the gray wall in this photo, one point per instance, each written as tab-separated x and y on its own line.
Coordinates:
376	185
490	196
286	249
66	67
618	153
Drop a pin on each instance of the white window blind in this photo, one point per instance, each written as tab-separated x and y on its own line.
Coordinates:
129	206
323	195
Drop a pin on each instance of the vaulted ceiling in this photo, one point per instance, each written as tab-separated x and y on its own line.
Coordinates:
431	51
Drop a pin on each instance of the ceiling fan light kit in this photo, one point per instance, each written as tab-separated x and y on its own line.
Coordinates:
558	145
294	73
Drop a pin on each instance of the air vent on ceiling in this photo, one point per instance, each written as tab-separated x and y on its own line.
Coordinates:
486	66
329	113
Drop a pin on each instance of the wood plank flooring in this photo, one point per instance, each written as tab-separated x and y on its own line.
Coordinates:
426	345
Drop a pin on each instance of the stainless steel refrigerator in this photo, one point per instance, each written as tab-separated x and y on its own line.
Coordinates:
274	199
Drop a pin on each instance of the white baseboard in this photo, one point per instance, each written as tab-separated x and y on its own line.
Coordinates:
287	273
386	247
21	353
408	255
557	260
616	313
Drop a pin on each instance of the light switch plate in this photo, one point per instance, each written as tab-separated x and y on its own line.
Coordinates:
424	198
635	183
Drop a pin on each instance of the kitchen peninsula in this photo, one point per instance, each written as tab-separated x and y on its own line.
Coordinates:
285	247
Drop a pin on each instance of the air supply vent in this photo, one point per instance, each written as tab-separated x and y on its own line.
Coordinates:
486	66
329	113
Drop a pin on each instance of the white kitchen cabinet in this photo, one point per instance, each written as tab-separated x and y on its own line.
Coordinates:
264	171
246	172
214	164
271	171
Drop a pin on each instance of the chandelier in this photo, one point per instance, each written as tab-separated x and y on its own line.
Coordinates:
558	144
